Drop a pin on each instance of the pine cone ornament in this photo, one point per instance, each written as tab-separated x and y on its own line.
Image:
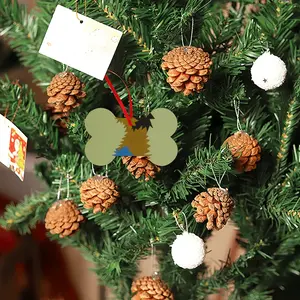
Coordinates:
140	165
188	69
99	193
150	288
215	206
65	93
245	151
63	218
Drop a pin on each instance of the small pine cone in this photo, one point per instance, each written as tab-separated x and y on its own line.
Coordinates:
63	218
215	206
99	193
188	69
150	288
140	165
65	93
245	151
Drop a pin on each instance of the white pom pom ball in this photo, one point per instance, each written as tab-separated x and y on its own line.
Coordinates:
268	71
188	250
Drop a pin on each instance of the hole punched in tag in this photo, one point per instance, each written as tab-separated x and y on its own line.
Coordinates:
81	21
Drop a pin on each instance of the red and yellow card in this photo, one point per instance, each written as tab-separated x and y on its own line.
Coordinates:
13	145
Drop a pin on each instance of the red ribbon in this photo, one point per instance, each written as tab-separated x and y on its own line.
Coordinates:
127	115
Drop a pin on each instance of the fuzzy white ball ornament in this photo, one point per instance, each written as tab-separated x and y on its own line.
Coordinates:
268	71
188	250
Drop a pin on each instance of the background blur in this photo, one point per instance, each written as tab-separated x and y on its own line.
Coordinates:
32	267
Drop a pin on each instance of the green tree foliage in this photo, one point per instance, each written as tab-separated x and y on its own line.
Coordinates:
267	206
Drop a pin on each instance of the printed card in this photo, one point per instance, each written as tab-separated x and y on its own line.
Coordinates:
13	145
81	43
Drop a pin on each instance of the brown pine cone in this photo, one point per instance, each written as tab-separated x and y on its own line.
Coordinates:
188	69
65	93
99	193
215	206
63	218
140	165
245	151
150	288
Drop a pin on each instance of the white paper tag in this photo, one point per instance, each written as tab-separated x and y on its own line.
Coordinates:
13	145
88	46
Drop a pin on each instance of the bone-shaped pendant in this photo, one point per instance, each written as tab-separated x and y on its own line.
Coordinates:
111	137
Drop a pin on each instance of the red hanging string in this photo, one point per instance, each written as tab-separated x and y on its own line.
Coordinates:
127	115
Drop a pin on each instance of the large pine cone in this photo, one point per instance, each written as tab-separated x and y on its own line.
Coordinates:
140	165
245	151
63	218
215	206
188	69
99	193
151	289
65	93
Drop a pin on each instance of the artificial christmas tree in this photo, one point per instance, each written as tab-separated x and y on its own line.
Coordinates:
266	201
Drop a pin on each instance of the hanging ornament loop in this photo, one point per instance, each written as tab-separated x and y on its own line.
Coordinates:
192	32
85	5
127	115
153	264
93	170
185	227
218	182
68	186
237	111
106	170
59	188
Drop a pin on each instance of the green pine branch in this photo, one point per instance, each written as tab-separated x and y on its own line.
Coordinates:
283	196
127	19
24	216
291	176
242	53
122	241
18	101
236	272
25	32
148	23
278	20
291	121
201	167
216	30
